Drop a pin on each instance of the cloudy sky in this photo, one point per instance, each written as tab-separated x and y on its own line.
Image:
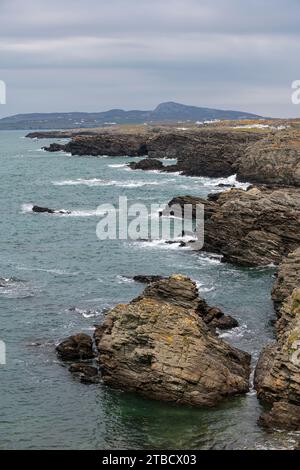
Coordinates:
93	55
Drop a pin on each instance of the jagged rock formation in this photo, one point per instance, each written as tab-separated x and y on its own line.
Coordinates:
252	228
199	152
158	346
277	375
104	144
272	160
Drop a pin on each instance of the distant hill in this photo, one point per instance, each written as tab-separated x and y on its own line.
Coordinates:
164	112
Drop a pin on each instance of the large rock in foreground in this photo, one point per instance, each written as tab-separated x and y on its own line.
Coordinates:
159	347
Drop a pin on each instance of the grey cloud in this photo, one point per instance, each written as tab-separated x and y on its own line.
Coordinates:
133	54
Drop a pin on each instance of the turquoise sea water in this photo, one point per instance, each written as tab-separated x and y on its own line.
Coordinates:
53	263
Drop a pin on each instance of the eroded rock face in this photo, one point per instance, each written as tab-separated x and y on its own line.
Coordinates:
159	347
288	278
277	375
204	153
272	160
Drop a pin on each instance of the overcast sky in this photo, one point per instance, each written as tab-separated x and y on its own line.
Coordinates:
93	55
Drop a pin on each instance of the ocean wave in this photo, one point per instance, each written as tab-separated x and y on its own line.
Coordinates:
118	165
235	333
160	244
202	288
86	313
124	280
14	288
101	182
58	272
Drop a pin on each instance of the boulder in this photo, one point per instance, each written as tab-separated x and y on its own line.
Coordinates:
77	347
159	346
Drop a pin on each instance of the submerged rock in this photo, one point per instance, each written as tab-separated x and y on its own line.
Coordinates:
146	279
159	346
85	372
42	209
78	347
39	209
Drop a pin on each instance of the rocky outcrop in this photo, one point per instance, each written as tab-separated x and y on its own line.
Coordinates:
159	347
209	153
77	347
104	144
272	160
251	228
199	152
147	164
277	375
55	147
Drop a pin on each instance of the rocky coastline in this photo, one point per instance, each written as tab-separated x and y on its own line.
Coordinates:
151	345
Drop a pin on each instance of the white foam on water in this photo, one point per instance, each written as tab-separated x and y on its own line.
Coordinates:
118	165
84	312
210	259
58	272
26	208
101	182
202	288
124	280
235	333
160	244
